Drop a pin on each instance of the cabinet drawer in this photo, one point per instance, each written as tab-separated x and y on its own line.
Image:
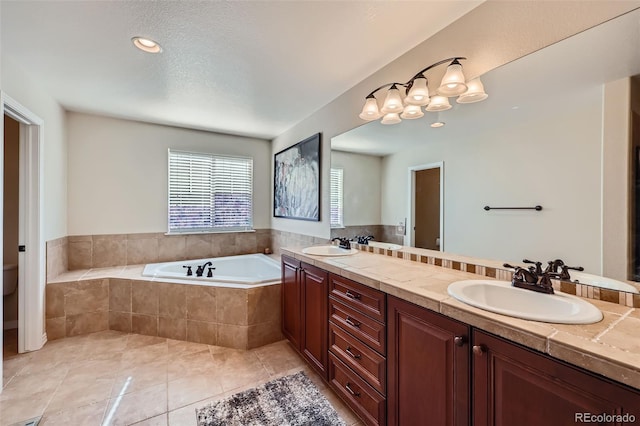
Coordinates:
367	363
367	300
361	397
369	331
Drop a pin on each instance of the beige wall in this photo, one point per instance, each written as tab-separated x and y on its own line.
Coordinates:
361	178
491	35
118	172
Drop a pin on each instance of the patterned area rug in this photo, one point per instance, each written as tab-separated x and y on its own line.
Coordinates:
290	400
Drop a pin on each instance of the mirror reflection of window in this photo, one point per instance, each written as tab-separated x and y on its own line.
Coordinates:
337	198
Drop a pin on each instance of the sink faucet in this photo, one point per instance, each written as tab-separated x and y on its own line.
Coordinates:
532	278
343	242
362	239
564	269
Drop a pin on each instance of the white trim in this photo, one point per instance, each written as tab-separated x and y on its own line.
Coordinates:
409	235
31	280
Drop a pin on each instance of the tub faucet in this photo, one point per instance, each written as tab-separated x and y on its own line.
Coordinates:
200	270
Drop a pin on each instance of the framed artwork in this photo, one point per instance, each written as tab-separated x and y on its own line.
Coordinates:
296	180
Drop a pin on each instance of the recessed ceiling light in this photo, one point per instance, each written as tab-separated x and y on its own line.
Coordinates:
437	124
146	45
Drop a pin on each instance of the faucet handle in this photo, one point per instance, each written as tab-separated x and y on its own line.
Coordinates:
564	273
538	266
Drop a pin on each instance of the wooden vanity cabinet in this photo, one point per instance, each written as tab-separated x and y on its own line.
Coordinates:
304	311
428	367
357	348
513	385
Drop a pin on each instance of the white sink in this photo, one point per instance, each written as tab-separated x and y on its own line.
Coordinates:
387	246
328	250
501	297
603	282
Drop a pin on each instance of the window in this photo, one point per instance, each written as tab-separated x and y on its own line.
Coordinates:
209	192
337	218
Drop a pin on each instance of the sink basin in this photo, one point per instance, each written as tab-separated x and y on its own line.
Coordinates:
501	297
387	246
328	250
603	282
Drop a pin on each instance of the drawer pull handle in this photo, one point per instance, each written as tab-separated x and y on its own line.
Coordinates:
351	391
351	295
352	323
350	352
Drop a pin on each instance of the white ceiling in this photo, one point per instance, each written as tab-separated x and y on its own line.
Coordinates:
252	68
536	82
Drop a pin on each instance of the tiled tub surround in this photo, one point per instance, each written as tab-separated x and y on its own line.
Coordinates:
610	348
383	233
81	252
119	298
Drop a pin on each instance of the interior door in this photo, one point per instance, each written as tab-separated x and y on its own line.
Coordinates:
427	209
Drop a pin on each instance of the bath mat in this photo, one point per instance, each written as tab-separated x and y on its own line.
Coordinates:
290	400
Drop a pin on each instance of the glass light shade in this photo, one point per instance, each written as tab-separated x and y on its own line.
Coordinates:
393	101
475	92
419	93
370	110
391	118
437	124
412	111
453	82
439	103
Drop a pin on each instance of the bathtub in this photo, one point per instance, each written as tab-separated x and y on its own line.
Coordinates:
244	271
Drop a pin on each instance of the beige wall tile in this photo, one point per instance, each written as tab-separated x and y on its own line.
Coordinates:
246	242
201	303
109	250
198	246
142	250
172	248
263	334
232	306
223	244
120	295
264	304
172	328
233	336
144	297
80	252
56	328
120	321
172	300
88	322
202	332
87	296
54	305
144	324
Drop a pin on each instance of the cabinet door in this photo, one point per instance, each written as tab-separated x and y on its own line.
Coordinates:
315	322
517	386
291	293
428	367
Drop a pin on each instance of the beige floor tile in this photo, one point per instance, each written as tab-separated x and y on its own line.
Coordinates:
79	391
13	366
190	365
178	348
160	420
86	415
238	368
139	341
134	379
30	385
186	416
191	389
17	410
278	357
145	355
137	406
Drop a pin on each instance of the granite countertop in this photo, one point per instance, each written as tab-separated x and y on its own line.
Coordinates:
610	347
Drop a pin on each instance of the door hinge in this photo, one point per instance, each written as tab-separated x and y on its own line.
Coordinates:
22	248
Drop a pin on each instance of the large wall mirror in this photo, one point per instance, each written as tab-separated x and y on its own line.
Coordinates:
555	131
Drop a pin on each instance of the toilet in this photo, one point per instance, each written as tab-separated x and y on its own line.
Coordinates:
9	279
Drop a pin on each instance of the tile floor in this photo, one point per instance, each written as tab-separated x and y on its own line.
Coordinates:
114	378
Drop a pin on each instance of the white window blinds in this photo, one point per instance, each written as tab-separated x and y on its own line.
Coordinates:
336	198
209	192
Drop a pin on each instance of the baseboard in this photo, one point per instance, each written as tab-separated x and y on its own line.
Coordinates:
10	325
44	338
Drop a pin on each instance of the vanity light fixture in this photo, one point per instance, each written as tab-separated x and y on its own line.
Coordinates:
405	100
146	44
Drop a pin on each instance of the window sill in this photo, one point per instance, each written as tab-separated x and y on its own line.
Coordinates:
209	232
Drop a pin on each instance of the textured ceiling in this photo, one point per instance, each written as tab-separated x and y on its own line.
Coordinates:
253	68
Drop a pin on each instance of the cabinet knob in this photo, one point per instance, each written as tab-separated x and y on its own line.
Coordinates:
459	340
479	350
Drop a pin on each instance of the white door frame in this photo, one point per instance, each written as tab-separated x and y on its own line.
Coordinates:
31	263
410	233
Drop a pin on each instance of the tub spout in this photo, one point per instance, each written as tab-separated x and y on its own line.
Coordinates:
200	270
